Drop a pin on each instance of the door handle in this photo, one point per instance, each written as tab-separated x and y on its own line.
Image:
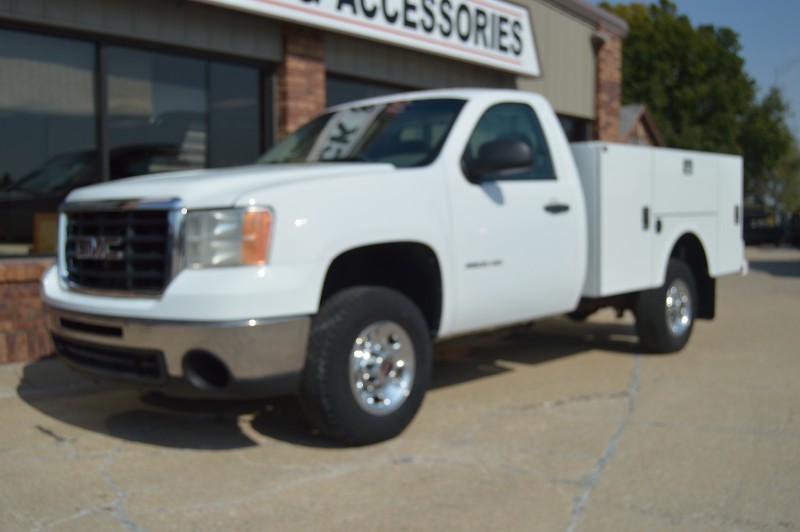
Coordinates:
557	208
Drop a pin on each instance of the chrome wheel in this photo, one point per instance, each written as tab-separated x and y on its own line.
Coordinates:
679	307
382	367
665	315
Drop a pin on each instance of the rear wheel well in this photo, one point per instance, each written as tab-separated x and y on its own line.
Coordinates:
689	250
408	267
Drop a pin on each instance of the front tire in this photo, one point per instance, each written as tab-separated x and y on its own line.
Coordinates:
368	365
665	316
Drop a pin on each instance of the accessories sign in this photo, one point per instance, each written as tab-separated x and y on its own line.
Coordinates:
487	32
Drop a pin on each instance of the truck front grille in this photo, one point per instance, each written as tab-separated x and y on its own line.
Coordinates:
138	364
119	250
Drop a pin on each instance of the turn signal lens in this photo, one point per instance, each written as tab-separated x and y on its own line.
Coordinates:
256	227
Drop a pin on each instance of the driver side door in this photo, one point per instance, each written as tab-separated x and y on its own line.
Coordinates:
515	231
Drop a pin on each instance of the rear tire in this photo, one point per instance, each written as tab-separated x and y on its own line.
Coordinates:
665	316
368	365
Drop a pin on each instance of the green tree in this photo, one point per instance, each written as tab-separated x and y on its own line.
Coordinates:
692	79
694	84
787	180
765	142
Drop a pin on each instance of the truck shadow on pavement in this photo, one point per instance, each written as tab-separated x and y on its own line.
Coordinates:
776	268
475	357
124	413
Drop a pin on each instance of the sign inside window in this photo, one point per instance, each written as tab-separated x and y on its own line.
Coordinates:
343	132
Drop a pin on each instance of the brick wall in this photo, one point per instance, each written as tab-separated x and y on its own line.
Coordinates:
23	335
609	86
301	78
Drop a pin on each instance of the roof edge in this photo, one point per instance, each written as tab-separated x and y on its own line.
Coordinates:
595	14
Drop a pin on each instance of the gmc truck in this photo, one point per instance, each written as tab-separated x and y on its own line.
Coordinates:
330	266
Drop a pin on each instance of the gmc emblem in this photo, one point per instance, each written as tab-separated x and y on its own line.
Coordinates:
98	248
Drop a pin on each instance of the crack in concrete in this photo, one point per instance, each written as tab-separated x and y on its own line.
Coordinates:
489	414
117	508
586	399
556	403
308	477
610	449
331	472
720	429
702	521
52	434
66	443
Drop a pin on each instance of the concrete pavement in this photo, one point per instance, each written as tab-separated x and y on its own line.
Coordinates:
559	427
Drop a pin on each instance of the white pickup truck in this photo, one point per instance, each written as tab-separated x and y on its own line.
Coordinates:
328	267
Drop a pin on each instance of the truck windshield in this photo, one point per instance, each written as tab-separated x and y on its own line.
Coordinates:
403	133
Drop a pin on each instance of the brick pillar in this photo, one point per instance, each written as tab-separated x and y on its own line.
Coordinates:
23	335
609	85
301	78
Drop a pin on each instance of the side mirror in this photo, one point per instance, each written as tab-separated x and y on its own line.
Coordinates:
499	158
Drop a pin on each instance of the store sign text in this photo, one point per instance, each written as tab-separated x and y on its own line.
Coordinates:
487	32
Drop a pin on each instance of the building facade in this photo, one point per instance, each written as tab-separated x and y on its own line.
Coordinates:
96	90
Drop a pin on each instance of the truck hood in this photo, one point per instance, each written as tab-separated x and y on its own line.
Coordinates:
221	187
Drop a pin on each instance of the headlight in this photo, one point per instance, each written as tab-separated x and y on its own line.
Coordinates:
228	237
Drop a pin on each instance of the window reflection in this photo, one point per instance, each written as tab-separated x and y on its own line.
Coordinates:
47	131
234	118
157	106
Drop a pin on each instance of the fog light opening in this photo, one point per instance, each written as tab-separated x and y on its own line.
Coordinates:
205	371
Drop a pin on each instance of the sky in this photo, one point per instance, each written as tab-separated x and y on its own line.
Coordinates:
769	36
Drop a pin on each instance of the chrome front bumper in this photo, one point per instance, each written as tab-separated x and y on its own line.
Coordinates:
161	354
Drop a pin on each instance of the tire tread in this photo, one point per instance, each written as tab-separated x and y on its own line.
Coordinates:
322	403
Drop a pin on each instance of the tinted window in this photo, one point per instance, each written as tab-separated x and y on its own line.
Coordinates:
48	137
234	119
167	112
518	122
157	106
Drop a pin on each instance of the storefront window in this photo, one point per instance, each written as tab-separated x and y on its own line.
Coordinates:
157	112
162	112
234	119
48	136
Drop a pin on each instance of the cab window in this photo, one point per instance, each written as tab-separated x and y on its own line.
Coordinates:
513	121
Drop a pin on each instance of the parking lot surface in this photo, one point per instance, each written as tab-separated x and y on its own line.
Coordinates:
558	426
